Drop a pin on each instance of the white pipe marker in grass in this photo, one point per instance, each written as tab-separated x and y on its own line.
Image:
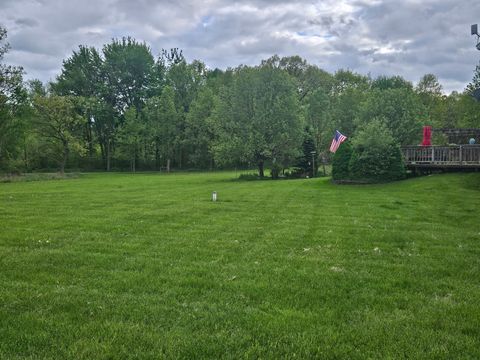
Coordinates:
214	196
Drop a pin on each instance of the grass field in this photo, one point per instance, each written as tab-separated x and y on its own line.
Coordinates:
146	266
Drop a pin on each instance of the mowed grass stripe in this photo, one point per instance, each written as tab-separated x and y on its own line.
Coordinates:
145	265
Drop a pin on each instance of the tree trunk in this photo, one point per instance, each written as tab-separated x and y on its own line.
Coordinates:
108	154
25	155
168	165
89	137
260	169
158	165
133	161
103	152
64	158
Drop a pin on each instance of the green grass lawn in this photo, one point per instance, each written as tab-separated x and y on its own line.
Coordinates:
146	266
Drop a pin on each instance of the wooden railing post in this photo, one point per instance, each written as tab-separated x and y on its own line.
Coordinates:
460	154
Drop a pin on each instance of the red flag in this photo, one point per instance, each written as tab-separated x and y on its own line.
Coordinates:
427	136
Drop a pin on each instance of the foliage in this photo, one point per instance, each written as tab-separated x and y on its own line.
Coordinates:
199	130
304	163
475	83
344	80
341	161
162	120
57	120
468	111
393	82
12	98
429	85
82	74
130	136
348	93
307	77
258	119
318	119
127	70
376	156
400	110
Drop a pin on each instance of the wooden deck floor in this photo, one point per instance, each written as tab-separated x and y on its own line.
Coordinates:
455	157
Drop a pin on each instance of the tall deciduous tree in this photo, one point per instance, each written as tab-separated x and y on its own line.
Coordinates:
258	119
58	121
12	96
185	80
401	111
475	83
318	118
82	76
307	77
349	91
430	92
199	131
128	70
162	118
130	136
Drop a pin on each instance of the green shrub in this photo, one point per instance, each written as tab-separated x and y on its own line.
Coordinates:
376	157
304	161
341	160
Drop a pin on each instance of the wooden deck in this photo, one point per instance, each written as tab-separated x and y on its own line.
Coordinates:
459	157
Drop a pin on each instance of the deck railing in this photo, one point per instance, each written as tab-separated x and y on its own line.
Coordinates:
459	155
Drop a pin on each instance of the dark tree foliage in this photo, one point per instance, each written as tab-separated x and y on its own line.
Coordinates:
128	72
376	157
12	101
258	119
82	74
305	164
401	111
475	83
341	161
393	82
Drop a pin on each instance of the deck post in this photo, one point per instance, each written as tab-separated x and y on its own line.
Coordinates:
433	154
460	155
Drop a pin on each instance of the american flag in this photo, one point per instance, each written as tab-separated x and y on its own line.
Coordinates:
337	140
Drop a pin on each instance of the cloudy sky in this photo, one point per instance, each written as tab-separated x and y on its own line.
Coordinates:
408	38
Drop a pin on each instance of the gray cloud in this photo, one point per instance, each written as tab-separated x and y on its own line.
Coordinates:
407	38
27	22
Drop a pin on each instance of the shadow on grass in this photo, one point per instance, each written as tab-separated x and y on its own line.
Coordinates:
37	177
255	177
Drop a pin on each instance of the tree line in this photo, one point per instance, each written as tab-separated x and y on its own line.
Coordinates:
122	108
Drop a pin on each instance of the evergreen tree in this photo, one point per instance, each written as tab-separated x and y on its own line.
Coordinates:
305	162
341	161
475	83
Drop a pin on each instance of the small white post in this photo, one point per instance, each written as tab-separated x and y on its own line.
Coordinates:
214	196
